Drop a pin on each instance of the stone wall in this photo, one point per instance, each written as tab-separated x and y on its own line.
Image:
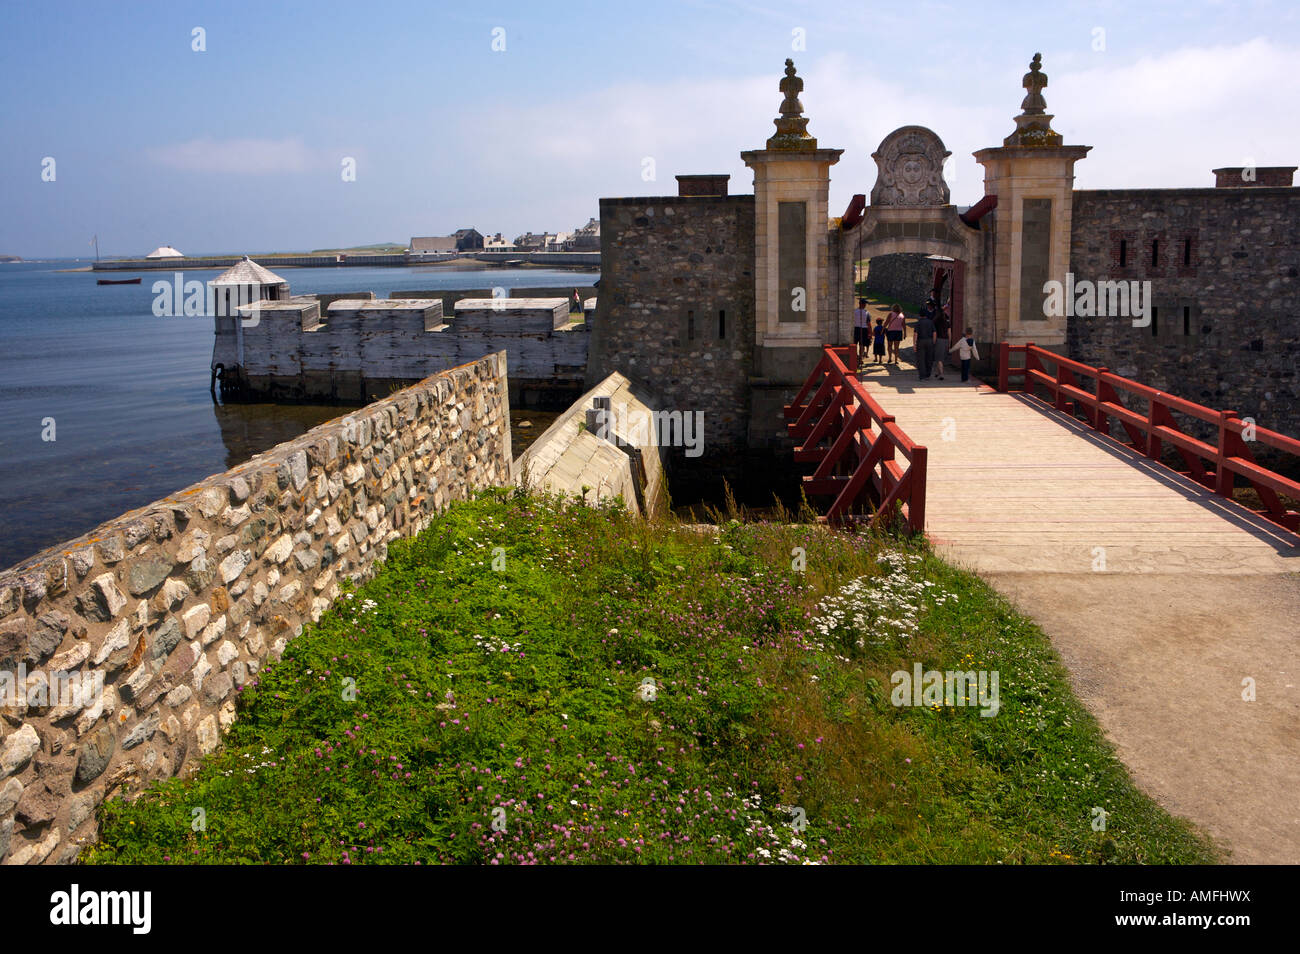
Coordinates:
176	605
906	278
676	307
1226	330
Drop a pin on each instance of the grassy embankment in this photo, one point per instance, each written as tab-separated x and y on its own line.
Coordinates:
495	717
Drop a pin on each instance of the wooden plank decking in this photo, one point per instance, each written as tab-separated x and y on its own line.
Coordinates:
1186	647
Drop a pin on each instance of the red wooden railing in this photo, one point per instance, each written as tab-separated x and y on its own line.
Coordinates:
855	445
1216	466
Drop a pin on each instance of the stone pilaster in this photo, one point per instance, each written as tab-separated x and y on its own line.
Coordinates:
791	259
1032	175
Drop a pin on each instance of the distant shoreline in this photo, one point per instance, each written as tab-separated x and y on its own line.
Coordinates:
581	261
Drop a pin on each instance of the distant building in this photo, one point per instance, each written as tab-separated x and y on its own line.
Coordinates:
497	243
432	247
434	243
165	251
557	242
468	240
532	242
585	239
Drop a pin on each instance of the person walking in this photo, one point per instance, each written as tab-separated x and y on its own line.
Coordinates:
928	308
965	348
894	331
942	327
923	343
878	342
861	328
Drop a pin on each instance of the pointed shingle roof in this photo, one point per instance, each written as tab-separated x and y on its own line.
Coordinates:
248	272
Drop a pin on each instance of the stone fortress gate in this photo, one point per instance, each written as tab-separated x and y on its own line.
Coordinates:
722	303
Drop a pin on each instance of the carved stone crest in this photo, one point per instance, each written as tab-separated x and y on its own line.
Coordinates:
910	169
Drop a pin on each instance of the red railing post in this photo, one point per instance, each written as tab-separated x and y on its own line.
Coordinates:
1004	366
1230	445
1100	420
1063	376
916	490
1154	417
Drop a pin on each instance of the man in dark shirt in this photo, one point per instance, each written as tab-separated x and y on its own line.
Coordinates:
923	344
942	327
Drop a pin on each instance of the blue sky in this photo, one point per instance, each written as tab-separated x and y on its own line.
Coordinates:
240	147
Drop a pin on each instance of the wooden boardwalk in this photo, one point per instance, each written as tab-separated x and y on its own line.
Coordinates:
1164	600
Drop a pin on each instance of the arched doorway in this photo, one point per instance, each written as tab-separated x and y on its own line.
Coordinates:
911	212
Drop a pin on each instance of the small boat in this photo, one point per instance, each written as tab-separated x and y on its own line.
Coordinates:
118	281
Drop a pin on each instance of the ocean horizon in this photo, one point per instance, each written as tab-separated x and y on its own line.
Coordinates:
124	394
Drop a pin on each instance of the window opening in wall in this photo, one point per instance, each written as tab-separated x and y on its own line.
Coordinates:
690	325
1187	251
1187	320
1155	321
1155	251
722	323
1123	252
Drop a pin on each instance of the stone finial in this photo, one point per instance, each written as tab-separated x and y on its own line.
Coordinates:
1034	81
792	126
1034	124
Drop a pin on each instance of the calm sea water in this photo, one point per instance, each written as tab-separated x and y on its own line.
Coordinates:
128	392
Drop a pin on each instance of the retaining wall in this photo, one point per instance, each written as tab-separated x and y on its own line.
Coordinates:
178	604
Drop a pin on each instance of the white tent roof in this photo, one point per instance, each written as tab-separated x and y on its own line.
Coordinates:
164	251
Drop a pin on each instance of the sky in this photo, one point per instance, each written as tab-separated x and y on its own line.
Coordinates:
228	127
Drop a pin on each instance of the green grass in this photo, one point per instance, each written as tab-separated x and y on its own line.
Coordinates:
757	710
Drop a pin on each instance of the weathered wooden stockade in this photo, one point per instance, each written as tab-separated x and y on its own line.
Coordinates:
355	348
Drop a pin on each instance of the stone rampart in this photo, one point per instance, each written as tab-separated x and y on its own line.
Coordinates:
122	652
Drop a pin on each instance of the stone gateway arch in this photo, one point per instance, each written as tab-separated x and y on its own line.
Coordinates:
721	302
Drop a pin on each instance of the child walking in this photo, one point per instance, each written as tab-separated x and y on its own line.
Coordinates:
965	348
878	342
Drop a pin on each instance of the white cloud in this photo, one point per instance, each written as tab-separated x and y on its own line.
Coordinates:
237	156
1166	121
1162	121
